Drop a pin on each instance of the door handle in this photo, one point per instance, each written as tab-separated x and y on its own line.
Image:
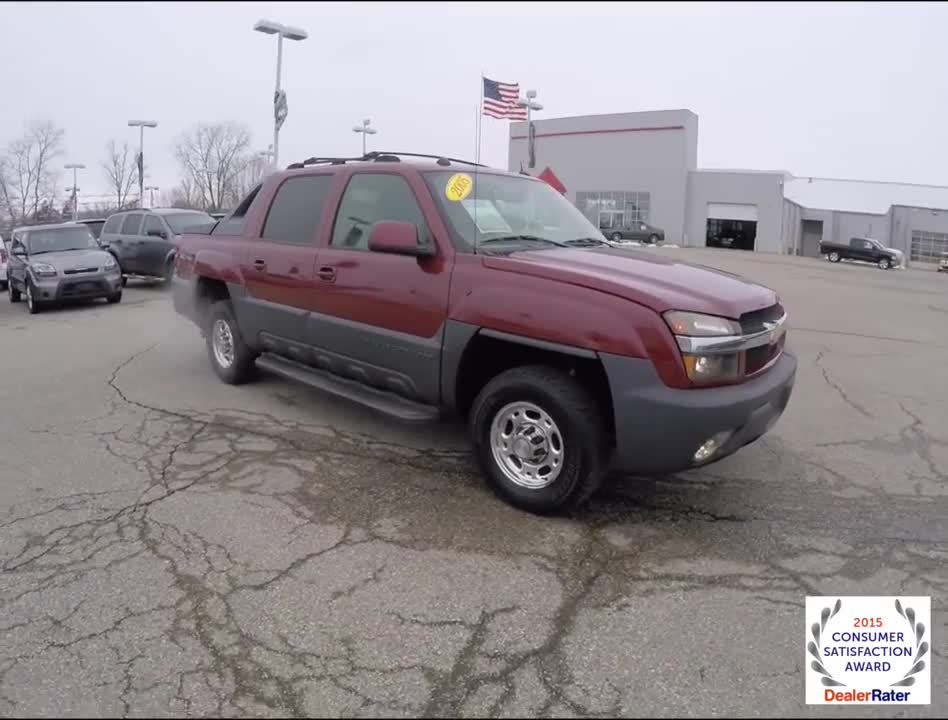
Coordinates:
260	264
326	273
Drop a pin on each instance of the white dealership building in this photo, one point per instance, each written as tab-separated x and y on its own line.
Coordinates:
643	167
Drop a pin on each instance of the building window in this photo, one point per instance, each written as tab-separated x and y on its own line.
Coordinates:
608	210
928	247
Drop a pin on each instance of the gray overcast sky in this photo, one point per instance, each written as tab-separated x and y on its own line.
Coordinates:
838	90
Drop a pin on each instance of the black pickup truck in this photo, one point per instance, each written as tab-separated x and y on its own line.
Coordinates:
864	250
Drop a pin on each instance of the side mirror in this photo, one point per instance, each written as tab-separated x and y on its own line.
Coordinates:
18	250
397	238
103	244
158	233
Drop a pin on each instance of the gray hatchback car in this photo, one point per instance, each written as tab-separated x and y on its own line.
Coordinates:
142	240
54	263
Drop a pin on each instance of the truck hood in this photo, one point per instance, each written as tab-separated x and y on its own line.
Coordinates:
645	277
72	259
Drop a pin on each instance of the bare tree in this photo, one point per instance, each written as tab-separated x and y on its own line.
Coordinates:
27	175
119	167
213	158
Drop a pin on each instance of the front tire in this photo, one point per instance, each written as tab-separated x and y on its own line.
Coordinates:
231	358
31	303
169	272
114	298
885	264
834	257
540	438
616	237
13	292
653	239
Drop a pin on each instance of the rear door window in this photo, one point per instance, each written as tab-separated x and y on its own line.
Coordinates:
296	210
132	224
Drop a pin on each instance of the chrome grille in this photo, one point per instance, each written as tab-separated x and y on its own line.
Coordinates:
754	322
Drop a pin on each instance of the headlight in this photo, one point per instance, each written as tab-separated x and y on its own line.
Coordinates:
698	325
43	269
703	369
109	264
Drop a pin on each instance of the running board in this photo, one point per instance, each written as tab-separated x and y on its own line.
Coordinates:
381	401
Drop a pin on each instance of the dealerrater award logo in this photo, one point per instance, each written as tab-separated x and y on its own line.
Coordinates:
868	650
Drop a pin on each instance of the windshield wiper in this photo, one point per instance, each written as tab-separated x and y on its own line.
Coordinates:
585	242
524	238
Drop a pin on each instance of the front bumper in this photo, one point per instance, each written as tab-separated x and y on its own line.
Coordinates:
87	286
659	429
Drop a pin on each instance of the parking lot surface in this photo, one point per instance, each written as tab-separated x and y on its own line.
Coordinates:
171	545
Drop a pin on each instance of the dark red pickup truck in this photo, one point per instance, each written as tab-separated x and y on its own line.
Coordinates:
429	287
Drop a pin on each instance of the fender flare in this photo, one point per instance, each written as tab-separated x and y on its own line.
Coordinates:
458	338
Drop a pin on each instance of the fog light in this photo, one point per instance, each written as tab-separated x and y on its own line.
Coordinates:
709	447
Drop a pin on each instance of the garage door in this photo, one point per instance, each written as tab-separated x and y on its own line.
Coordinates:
723	211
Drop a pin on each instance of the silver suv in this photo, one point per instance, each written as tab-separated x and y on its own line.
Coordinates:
53	263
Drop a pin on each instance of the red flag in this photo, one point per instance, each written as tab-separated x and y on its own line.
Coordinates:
549	177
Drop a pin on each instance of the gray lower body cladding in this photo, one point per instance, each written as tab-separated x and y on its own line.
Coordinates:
659	429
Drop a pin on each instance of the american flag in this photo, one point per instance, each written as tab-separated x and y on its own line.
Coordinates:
500	100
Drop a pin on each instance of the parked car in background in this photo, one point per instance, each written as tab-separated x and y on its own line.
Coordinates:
94	225
3	265
638	232
50	264
409	288
943	263
143	240
862	250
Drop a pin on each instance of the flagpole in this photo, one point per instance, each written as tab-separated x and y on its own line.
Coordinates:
480	121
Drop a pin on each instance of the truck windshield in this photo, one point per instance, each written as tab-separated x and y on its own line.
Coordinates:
509	210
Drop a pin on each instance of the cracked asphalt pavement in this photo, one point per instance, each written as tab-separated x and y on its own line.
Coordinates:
172	546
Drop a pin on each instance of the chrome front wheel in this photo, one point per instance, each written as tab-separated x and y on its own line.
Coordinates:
527	445
222	342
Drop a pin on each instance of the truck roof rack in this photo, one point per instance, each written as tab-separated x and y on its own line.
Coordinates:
378	156
442	159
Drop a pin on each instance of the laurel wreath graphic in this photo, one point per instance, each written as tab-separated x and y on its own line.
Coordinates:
918	629
815	647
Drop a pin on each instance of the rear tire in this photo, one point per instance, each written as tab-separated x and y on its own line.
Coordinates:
14	293
539	412
834	257
231	358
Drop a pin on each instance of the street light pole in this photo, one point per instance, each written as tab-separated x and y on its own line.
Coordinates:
141	125
75	189
530	104
365	129
279	97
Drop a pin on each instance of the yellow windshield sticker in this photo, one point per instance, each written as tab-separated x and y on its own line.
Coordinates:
459	187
